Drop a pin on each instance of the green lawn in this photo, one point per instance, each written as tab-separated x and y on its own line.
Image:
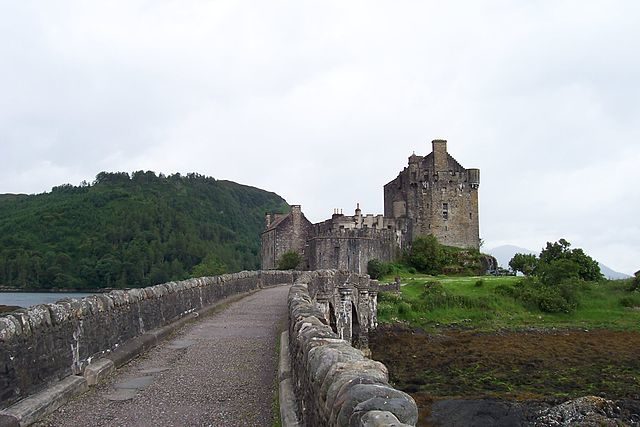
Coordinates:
488	303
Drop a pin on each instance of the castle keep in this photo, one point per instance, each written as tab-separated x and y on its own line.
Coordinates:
433	195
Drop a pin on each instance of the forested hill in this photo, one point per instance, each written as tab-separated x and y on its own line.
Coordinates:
131	231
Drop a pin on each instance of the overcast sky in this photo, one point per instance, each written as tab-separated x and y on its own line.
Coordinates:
322	102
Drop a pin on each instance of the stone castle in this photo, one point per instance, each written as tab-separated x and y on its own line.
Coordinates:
433	195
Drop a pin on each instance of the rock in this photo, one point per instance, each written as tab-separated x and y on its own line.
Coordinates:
588	411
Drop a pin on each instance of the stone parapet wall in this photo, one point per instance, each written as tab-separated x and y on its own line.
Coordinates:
42	344
336	385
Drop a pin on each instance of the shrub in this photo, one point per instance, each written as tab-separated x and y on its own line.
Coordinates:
386	310
630	301
562	298
389	297
479	283
289	260
426	255
404	309
376	269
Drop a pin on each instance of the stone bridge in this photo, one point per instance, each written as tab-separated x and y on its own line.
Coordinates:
52	352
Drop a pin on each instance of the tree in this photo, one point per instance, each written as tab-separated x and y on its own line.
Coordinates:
426	255
524	263
588	268
289	260
210	266
558	271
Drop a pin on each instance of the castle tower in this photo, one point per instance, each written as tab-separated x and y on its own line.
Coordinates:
435	195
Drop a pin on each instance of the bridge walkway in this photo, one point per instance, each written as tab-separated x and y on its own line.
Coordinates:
217	371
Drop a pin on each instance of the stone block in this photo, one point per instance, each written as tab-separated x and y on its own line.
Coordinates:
401	408
38	316
59	313
36	406
345	408
9	327
377	419
98	370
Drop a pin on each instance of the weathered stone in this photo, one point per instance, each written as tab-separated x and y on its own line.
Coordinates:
378	419
344	409
97	371
59	313
401	408
23	320
588	411
137	295
9	327
120	298
96	305
38	316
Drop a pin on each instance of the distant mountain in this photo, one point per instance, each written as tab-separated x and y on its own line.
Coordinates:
612	274
504	254
131	231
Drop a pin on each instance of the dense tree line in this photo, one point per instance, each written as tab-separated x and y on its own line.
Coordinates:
130	231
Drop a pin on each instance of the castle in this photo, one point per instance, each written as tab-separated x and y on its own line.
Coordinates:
433	195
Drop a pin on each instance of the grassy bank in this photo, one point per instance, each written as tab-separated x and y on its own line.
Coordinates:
490	303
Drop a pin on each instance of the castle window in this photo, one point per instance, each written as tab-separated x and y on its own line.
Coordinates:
470	215
445	210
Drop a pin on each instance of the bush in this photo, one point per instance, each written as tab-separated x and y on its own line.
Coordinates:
289	260
562	298
376	269
388	297
404	309
479	283
386	310
630	301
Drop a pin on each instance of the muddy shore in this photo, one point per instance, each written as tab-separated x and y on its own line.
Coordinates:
462	377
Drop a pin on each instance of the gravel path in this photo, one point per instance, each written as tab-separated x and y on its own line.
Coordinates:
218	371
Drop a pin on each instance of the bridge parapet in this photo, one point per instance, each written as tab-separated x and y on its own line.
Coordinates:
46	343
335	383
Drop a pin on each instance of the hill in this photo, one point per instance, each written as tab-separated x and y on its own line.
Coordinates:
504	254
131	231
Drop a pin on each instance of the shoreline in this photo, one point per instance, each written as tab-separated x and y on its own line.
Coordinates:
57	290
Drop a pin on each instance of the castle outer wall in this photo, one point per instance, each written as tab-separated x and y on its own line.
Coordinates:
351	250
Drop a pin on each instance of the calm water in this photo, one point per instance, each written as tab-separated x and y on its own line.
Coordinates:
26	299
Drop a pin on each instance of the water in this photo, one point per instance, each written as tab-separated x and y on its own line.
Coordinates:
27	299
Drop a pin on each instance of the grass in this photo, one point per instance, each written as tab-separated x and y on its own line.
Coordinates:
490	303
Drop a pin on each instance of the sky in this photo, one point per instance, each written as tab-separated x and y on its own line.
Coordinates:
322	102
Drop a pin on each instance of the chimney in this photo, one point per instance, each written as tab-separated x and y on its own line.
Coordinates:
440	156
